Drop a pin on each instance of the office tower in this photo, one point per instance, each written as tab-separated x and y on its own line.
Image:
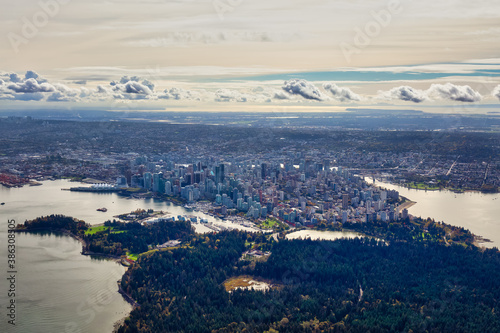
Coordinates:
148	180
345	201
156	182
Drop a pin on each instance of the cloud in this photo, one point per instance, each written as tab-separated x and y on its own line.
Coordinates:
133	88
58	97
15	78
226	95
137	88
188	38
496	92
179	94
31	86
455	93
34	75
303	88
281	95
405	93
448	91
341	94
28	96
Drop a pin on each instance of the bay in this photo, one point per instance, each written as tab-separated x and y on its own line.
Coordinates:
475	211
57	288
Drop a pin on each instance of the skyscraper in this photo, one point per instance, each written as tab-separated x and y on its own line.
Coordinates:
219	173
148	180
345	201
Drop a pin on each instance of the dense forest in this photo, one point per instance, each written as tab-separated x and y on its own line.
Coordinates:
358	285
119	237
416	229
134	237
55	222
411	284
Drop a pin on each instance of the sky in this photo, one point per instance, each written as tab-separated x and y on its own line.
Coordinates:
250	55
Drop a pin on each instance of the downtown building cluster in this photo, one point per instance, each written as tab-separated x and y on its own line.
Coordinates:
298	189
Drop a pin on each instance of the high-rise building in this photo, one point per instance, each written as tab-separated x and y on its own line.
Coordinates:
263	170
219	173
148	180
156	182
345	201
168	188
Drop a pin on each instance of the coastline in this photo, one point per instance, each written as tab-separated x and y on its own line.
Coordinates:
479	241
406	205
128	298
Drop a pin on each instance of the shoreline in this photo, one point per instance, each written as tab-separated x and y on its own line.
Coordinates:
406	205
444	189
128	298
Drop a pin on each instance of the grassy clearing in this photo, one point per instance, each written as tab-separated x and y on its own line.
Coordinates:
94	230
132	256
270	224
423	186
103	228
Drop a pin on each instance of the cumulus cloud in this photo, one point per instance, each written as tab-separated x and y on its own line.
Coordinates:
226	95
281	95
58	97
34	75
131	88
13	77
127	80
448	91
496	92
303	88
30	86
341	94
179	94
405	93
455	93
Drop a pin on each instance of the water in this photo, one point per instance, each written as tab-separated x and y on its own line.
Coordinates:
58	289
322	235
30	202
475	211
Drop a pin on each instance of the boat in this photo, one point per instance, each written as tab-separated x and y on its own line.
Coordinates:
3	203
102	209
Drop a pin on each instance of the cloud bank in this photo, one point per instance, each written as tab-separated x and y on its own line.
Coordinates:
448	91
